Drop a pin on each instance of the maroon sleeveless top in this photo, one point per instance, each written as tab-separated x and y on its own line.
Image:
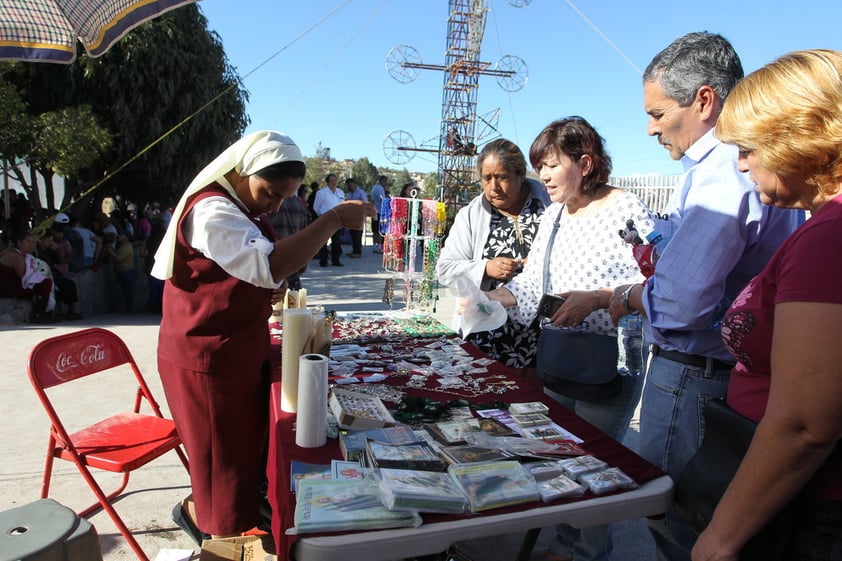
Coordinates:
212	320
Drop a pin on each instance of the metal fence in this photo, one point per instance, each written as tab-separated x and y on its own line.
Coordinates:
655	190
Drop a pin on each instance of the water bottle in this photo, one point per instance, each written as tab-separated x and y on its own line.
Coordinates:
658	243
631	350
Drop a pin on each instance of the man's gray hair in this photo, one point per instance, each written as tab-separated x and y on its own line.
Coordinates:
692	61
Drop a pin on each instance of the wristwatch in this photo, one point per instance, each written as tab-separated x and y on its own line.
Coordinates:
625	300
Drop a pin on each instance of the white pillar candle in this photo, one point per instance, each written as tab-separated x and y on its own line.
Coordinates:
297	330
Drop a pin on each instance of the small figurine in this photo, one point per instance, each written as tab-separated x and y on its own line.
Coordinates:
630	233
642	252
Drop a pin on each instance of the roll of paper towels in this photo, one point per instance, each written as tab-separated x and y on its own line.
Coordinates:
311	420
297	331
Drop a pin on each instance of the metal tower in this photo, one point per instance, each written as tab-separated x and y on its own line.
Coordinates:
458	134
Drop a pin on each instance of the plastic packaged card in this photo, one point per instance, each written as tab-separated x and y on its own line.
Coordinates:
494	484
545	470
559	487
423	491
531	419
576	467
528	407
347	504
607	480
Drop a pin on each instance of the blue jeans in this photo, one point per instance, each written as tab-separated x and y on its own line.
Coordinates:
671	430
611	417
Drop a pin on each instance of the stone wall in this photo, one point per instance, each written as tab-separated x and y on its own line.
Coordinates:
98	292
14	311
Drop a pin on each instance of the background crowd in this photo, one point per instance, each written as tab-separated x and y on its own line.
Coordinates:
112	240
119	239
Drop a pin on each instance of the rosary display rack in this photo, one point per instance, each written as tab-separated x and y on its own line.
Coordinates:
412	229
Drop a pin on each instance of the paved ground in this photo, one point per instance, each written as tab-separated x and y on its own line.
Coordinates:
155	489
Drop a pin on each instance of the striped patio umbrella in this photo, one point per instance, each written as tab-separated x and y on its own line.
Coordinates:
47	30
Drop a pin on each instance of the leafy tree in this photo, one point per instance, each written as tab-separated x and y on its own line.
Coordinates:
163	72
401	179
15	122
67	141
316	170
62	141
430	186
54	149
46	88
15	126
322	152
168	77
364	172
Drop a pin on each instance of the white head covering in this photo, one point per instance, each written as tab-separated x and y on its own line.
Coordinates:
247	156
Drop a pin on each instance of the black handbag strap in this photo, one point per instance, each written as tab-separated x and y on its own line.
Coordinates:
550	251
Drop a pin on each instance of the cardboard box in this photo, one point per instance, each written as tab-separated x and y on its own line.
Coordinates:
245	548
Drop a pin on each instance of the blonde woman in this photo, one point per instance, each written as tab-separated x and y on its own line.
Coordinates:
783	328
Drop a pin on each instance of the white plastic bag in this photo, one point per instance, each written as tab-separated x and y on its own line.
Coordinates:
478	312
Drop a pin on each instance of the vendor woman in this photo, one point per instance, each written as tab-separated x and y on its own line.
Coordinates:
223	269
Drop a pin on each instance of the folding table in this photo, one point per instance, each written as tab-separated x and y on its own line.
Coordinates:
438	532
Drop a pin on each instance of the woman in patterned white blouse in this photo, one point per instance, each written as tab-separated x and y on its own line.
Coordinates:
489	242
588	258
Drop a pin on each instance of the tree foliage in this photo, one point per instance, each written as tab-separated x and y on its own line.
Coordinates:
430	186
68	140
322	152
316	170
401	179
15	122
62	141
364	173
162	73
169	73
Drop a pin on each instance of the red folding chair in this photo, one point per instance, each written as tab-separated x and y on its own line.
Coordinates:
122	442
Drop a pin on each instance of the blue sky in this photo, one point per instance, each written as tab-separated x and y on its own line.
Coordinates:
325	80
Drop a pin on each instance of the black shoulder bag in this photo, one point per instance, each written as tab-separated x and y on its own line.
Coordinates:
572	362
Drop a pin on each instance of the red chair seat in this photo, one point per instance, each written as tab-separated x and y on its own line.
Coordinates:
123	442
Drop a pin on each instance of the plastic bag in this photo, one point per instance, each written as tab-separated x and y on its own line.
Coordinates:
478	312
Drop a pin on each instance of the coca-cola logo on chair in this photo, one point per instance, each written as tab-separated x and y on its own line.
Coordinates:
89	358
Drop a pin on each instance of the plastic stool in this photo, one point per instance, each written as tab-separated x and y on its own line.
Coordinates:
47	531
